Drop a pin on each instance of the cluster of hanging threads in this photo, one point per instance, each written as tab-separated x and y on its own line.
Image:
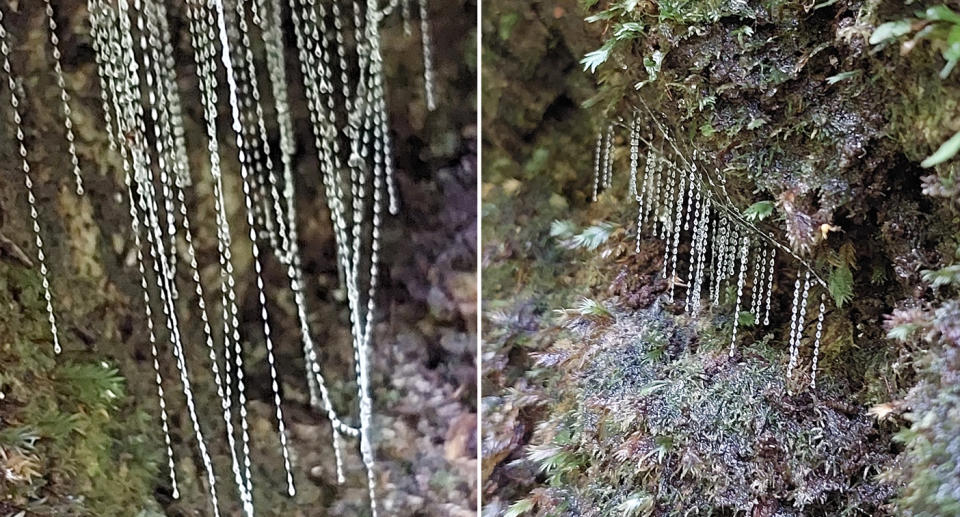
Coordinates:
816	341
798	324
719	244
766	314
356	153
797	321
608	158
699	254
756	295
64	96
636	191
648	191
634	157
100	42
677	224
289	254
705	225
246	180
603	162
163	100
693	224
143	115
428	87
679	205
124	86
28	183
741	282
204	51
596	167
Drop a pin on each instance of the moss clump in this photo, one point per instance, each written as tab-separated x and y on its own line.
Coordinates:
71	441
658	417
931	460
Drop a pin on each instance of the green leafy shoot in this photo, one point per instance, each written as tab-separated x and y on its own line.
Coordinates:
57	426
940	13
758	211
742	34
519	508
952	52
553	459
949	275
586	310
653	387
618	9
890	30
904	324
507	22
842	76
903	332
840	285
946	151
598	57
92	384
938	23
22	439
878	275
592	309
621	32
652	65
637	504
562	229
608	14
628	30
756	123
707	130
592	237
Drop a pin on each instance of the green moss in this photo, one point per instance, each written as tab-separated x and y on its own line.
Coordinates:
68	430
703	434
794	107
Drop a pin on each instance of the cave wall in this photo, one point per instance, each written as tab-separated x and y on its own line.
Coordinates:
791	105
81	429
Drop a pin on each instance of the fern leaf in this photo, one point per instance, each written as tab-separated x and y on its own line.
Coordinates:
519	508
841	285
758	211
949	275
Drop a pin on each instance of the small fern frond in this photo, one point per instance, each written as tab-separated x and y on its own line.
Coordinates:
519	508
758	211
592	237
841	285
949	275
